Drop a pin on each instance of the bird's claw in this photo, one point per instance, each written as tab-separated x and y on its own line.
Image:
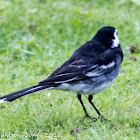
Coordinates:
102	117
94	119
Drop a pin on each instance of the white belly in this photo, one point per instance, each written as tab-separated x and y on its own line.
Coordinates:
84	88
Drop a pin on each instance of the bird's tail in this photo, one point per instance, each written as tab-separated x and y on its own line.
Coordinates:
15	95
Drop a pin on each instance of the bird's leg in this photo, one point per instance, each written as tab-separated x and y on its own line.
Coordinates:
79	98
90	100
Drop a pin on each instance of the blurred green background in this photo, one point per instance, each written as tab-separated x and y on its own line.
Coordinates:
36	37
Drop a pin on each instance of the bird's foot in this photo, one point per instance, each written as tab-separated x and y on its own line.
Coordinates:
95	119
92	118
102	117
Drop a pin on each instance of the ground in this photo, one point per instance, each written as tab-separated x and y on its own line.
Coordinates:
36	37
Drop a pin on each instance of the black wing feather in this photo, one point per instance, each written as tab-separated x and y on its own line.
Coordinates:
83	62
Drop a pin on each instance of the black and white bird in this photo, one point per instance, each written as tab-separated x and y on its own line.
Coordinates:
90	69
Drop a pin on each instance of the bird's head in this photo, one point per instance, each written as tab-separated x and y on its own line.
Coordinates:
108	36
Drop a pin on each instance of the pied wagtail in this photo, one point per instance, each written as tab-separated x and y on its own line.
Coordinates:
90	70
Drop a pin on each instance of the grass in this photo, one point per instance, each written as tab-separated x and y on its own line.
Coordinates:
36	37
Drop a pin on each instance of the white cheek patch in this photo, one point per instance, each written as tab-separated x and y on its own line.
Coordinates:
116	41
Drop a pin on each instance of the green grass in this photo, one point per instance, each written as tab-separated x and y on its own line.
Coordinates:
29	54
